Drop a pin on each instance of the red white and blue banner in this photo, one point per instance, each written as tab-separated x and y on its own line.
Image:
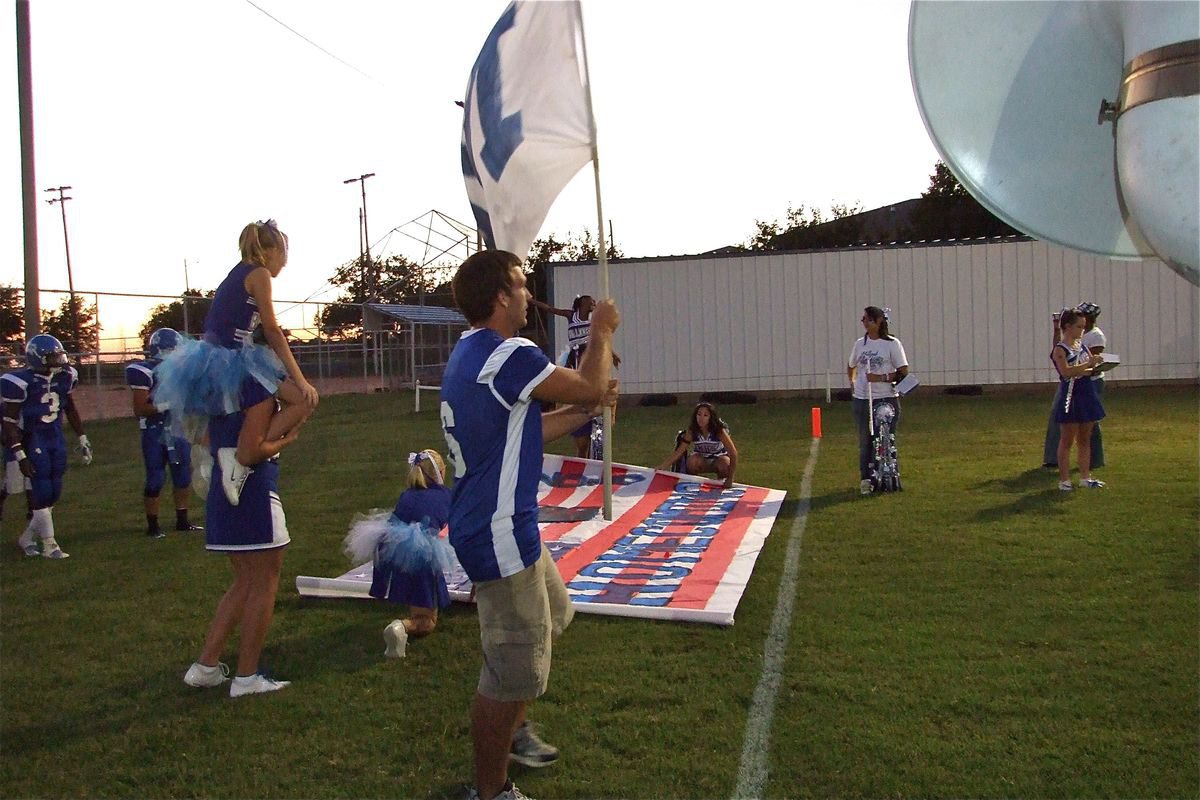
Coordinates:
527	123
678	547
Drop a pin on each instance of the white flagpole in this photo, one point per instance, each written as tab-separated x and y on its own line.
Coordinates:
602	254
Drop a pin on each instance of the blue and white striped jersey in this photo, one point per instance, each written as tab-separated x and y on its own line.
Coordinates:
493	428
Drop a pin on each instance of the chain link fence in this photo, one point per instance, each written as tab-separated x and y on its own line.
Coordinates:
394	357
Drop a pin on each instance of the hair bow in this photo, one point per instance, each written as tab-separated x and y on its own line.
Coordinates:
416	458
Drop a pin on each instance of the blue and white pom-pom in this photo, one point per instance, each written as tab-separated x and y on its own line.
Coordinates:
408	547
366	531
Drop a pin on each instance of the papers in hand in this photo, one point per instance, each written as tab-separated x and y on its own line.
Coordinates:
1109	360
909	383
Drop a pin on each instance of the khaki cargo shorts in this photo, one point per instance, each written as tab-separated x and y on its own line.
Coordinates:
518	617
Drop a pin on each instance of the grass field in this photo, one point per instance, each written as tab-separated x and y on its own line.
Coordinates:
978	635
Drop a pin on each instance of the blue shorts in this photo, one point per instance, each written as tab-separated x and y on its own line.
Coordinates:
158	457
48	455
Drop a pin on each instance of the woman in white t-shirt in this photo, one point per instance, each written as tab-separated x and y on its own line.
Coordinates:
877	362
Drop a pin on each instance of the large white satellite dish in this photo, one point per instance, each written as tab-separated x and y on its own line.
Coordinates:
1077	122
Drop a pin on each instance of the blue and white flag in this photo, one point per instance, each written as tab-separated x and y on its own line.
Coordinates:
527	123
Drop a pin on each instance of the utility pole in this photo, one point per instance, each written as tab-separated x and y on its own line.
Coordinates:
33	318
62	204
369	286
186	326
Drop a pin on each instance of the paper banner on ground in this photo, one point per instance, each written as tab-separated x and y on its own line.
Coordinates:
678	547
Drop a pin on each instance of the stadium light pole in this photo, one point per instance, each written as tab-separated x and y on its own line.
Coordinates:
370	282
62	205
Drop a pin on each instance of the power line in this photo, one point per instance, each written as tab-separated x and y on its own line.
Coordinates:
340	60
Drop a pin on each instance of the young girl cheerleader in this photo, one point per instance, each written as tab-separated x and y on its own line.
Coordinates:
228	370
1077	407
408	556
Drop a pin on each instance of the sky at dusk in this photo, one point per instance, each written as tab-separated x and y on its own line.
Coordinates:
175	123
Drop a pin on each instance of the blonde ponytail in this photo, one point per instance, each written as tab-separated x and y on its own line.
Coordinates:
259	237
425	469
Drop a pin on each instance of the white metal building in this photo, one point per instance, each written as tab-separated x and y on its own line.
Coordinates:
967	313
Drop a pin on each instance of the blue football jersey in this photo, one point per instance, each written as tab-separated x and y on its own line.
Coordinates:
140	375
42	398
493	428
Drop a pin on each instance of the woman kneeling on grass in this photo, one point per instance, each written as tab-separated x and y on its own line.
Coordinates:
712	447
1077	407
254	534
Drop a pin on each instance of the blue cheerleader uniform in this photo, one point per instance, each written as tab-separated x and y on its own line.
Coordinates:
257	522
1077	399
410	559
226	370
709	445
579	333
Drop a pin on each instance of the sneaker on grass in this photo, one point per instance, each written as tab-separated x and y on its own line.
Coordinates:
1092	483
865	487
529	750
511	792
203	676
1065	486
255	684
233	474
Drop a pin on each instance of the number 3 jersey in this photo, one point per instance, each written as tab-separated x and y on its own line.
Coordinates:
42	399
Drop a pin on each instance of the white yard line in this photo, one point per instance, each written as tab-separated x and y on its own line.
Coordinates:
752	772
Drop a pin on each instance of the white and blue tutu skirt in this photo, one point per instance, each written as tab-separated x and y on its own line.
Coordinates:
409	559
201	379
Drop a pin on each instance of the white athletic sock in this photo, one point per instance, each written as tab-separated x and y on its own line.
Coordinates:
45	527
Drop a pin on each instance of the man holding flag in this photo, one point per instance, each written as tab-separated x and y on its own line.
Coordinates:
492	391
527	129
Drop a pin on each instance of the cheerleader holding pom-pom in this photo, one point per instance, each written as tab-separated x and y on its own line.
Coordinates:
227	370
409	558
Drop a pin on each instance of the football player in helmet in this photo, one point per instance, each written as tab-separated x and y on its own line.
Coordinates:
162	449
35	400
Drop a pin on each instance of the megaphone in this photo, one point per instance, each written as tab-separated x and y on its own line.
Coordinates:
1074	122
